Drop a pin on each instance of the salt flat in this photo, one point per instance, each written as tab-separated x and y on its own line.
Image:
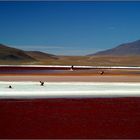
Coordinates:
68	90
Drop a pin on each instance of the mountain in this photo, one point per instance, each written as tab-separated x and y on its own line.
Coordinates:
9	54
40	55
132	48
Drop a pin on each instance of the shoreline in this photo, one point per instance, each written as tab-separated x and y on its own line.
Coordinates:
70	78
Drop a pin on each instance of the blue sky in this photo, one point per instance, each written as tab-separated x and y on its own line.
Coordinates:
69	28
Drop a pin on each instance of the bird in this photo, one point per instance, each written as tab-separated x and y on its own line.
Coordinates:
72	68
10	86
102	72
42	83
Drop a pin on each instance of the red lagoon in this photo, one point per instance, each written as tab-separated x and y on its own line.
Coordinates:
70	118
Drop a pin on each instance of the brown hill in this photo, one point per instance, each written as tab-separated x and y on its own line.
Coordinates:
13	54
40	55
126	49
10	55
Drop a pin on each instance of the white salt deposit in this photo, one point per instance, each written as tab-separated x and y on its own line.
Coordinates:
68	90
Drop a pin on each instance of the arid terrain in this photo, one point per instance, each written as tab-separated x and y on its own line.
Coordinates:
81	60
127	54
93	60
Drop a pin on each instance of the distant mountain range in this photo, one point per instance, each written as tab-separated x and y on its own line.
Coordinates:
127	49
40	55
13	54
127	54
8	53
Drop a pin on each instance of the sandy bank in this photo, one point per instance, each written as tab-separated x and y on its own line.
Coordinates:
71	78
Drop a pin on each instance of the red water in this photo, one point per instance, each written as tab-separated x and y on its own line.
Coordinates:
70	118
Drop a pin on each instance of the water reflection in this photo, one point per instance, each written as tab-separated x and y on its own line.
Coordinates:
31	71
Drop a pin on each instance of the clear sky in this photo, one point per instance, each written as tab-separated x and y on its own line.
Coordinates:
69	28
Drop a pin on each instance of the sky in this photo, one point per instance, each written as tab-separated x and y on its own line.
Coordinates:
69	28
